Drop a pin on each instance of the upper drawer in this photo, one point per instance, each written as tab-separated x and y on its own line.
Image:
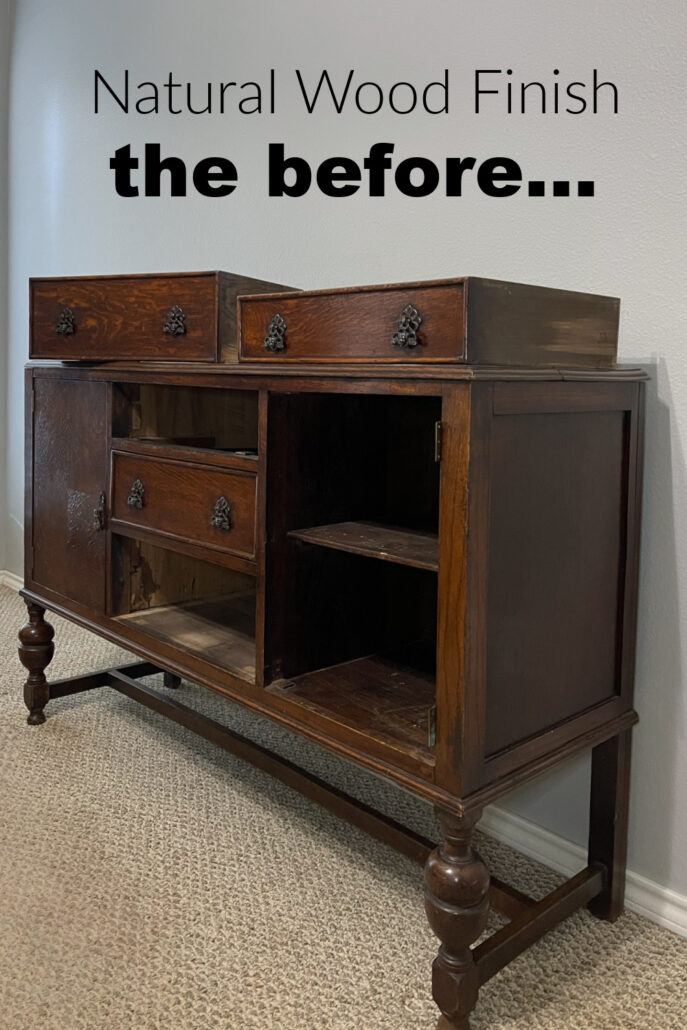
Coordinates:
470	320
191	502
389	323
185	317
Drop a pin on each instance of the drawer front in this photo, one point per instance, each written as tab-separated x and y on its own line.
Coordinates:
424	323
163	318
181	499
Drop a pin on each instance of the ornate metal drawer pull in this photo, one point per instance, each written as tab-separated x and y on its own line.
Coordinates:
136	498
66	323
276	331
99	514
175	323
221	515
409	322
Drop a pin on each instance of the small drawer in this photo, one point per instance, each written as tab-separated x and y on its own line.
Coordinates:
191	502
382	323
469	321
182	317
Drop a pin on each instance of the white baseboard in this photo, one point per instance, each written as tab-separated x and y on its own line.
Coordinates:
659	904
8	579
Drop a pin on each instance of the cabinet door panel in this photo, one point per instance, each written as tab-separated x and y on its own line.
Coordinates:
69	476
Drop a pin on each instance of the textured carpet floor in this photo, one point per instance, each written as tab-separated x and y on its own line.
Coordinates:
152	882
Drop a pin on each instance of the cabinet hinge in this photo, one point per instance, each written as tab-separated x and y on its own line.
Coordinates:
437	441
432	726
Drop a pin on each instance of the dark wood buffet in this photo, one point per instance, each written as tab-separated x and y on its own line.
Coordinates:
402	521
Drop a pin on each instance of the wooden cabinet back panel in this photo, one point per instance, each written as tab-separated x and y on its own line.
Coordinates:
179	499
356	325
69	473
124	317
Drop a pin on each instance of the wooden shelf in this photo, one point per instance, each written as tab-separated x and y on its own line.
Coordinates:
170	448
387	543
387	700
221	632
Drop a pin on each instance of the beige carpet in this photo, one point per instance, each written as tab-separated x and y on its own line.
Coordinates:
152	882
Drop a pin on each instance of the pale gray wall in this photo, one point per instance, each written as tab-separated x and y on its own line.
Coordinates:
629	241
5	33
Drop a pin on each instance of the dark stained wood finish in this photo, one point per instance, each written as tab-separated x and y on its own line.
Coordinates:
454	569
178	452
471	320
356	325
558	496
122	317
36	649
387	543
231	286
608	821
220	632
340	458
407	379
511	940
179	501
387	700
185	416
457	907
515	617
513	323
329	453
68	475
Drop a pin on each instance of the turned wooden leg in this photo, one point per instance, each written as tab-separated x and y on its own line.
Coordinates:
608	820
457	906
169	679
35	652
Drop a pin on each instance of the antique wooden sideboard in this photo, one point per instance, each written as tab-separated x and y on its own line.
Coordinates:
402	521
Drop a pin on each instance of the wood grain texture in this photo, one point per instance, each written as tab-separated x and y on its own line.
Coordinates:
518	324
477	604
231	287
122	317
382	697
179	501
371	540
221	632
356	325
470	320
457	907
218	419
69	474
452	587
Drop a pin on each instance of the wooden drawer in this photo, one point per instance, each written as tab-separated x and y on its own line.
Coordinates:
188	501
185	317
469	320
355	325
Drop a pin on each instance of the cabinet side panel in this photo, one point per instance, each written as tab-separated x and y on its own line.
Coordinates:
516	324
557	545
69	476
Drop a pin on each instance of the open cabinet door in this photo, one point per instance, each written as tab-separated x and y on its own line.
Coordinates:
67	464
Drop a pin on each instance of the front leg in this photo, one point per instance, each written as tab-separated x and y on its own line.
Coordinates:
457	906
35	652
